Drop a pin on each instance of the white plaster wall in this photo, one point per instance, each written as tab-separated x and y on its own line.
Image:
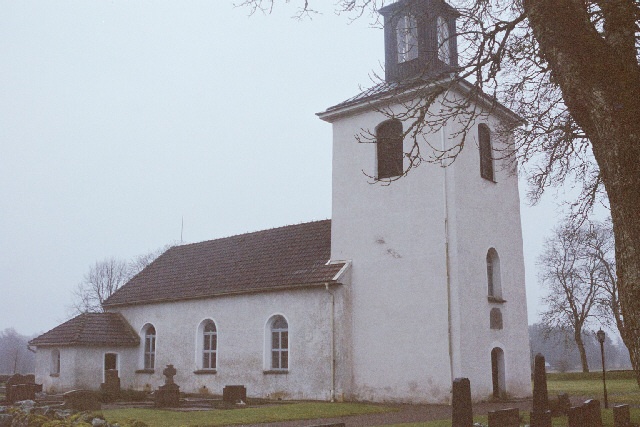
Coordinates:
52	383
395	236
80	367
486	214
240	322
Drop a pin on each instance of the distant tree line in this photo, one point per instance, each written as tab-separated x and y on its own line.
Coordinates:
561	352
15	357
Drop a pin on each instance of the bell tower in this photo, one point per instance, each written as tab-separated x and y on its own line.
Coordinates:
420	39
436	279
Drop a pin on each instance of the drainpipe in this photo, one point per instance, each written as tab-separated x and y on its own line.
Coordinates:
333	355
446	252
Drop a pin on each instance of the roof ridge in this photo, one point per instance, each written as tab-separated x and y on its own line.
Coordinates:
251	233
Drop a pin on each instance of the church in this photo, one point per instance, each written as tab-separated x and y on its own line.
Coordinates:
416	279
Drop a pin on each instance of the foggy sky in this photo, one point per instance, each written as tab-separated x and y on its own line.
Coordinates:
119	119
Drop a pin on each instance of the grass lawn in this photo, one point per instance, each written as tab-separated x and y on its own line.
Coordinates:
263	414
621	386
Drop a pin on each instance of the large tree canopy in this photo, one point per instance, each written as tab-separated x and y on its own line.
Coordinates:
570	68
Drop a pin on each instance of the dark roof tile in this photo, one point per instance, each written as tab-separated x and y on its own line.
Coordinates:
291	256
91	329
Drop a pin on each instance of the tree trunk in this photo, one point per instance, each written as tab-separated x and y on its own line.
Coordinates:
577	336
600	82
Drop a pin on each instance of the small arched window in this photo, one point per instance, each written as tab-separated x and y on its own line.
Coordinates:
486	152
279	343
209	345
495	318
444	50
389	148
149	347
494	289
55	362
407	38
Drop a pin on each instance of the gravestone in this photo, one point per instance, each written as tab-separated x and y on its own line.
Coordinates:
504	418
621	416
540	414
21	387
234	394
576	416
586	415
563	404
593	413
461	408
111	386
168	395
81	400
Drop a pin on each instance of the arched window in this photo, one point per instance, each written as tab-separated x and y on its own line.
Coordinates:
407	38
497	372
486	155
55	362
495	318
208	345
389	148
494	289
279	343
444	50
149	347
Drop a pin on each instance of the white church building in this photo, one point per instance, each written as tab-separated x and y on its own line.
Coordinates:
411	284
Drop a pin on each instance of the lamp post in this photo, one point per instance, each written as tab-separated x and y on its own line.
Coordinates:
601	336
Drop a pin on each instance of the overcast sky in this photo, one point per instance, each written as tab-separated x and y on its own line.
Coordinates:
120	118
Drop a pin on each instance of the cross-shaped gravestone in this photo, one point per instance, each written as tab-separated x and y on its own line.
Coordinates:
169	372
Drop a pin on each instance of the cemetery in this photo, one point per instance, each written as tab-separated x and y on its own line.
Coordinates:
26	405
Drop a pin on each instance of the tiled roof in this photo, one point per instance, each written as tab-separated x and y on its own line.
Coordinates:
285	257
377	91
91	329
395	91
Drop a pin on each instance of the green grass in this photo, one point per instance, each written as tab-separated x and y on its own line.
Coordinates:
621	386
263	414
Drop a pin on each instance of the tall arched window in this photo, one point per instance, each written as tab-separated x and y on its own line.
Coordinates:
494	289
149	347
389	148
444	51
486	155
208	345
55	362
497	372
279	343
407	38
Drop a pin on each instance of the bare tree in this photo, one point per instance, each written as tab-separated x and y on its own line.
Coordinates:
571	278
137	264
570	68
599	245
103	279
107	276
